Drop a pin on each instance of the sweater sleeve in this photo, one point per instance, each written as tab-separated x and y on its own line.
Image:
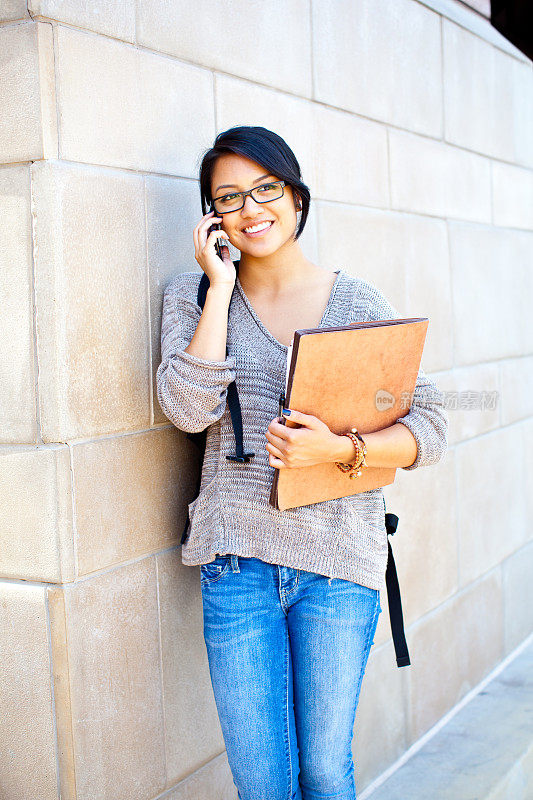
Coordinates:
191	391
427	418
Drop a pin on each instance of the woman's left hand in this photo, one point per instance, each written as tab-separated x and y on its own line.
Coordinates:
313	443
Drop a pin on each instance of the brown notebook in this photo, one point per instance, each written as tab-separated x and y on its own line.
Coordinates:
363	375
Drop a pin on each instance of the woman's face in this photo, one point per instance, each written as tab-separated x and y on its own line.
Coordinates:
235	173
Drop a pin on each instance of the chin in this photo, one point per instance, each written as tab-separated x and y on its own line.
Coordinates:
265	252
262	248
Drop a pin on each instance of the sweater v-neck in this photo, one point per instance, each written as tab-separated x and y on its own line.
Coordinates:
263	327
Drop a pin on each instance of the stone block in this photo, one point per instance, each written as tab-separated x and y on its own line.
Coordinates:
490	494
149	112
18	400
516	381
92	307
28	127
491	289
484	89
36	536
518	596
435	178
527	432
116	703
452	650
222	36
13	10
367	58
512	196
131	495
356	174
212	780
473	400
27	738
112	19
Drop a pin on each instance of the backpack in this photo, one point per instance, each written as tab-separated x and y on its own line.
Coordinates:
391	520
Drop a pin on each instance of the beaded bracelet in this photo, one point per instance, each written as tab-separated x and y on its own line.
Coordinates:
354	469
358	453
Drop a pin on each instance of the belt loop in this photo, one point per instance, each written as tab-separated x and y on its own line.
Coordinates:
234	562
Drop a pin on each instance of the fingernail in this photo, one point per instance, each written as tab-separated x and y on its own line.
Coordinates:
286	411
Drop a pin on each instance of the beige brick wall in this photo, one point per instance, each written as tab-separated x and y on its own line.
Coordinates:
413	124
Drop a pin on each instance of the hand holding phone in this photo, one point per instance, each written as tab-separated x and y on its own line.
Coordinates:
217	226
213	257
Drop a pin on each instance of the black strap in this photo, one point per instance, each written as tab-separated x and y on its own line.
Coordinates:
393	596
203	286
233	401
236	419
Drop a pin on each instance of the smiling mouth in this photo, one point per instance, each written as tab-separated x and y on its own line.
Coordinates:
261	232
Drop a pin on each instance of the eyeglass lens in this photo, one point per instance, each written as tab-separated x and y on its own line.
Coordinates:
261	194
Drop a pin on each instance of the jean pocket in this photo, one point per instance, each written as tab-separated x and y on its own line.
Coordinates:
214	570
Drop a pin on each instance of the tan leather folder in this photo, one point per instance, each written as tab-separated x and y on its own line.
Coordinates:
363	375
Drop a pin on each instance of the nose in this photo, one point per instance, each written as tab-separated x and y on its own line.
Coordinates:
249	204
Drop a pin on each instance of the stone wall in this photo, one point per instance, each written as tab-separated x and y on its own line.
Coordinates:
413	124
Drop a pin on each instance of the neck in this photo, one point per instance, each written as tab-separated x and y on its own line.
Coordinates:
278	272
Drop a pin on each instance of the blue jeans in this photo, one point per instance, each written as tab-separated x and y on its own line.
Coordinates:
287	651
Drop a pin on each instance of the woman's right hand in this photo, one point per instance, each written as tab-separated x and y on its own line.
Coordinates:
220	272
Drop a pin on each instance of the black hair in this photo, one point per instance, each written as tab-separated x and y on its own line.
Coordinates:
265	148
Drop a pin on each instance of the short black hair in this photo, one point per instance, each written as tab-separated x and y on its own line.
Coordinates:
264	147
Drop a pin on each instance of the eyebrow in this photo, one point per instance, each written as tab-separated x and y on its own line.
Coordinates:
234	186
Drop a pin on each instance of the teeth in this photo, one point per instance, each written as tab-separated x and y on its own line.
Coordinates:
255	228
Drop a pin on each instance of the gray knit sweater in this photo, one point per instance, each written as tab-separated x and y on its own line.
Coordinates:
344	537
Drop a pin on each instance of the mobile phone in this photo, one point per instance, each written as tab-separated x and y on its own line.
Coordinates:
217	226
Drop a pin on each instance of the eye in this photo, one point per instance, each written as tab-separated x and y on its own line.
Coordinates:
227	198
267	186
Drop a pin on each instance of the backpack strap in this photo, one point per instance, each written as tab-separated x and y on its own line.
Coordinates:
236	420
234	403
393	596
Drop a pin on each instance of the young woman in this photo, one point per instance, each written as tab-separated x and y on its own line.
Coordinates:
291	599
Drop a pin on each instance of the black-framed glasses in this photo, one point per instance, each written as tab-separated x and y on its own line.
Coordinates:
264	193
